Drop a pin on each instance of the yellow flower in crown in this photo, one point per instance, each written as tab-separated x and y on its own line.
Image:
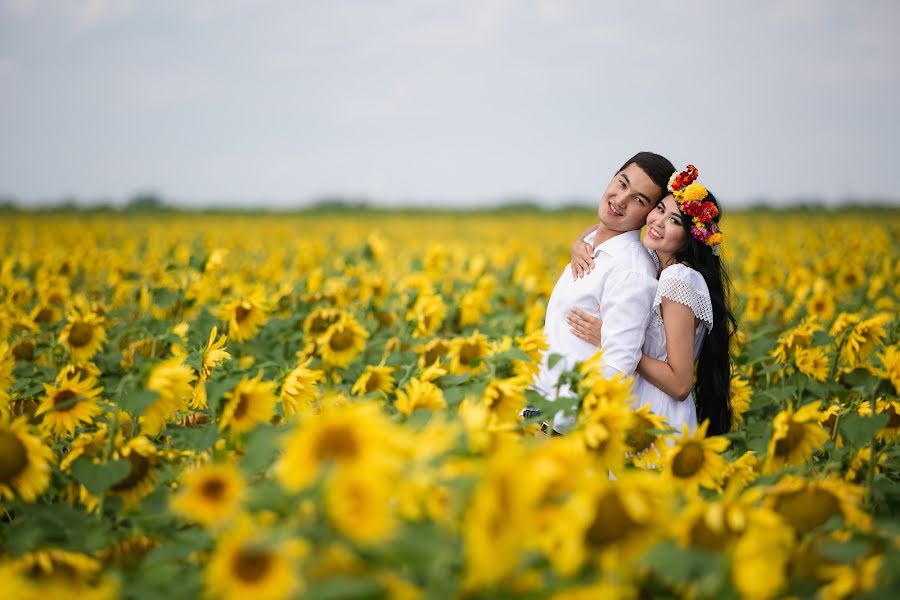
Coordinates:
695	192
691	198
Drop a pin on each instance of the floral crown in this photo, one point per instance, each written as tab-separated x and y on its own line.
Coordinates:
689	195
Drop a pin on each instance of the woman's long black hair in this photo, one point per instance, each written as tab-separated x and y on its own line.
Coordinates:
712	390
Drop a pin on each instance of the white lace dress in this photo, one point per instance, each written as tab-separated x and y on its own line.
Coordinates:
686	286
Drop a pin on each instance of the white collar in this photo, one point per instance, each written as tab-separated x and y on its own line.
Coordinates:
616	243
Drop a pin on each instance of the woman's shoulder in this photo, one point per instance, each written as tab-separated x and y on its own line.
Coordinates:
683	272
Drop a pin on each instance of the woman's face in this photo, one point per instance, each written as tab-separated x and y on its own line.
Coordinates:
665	233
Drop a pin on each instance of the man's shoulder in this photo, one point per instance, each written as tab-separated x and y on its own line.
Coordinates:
633	256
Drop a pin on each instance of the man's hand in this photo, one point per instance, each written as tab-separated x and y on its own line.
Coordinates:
584	325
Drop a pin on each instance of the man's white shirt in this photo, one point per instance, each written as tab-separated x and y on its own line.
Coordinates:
623	283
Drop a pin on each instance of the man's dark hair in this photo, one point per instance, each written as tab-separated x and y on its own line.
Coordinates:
658	169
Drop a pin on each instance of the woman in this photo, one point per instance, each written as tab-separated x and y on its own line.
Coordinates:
691	320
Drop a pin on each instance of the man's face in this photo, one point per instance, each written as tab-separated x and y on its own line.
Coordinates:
628	199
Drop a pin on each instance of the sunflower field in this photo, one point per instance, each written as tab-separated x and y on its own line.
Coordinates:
328	406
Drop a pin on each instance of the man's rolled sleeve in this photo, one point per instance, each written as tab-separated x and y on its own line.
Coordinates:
625	310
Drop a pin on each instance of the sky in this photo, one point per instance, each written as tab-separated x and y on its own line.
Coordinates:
456	103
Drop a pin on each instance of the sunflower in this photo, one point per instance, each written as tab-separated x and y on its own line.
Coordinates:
795	435
432	352
696	460
213	353
71	403
211	494
344	435
534	344
617	519
647	445
7	362
807	504
83	370
842	323
472	307
249	563
799	337
83	335
171	380
863	338
496	524
890	361
245	315
505	398
58	573
300	388
467	354
419	394
812	362
428	312
251	402
318	321
141	478
342	342
740	394
603	430
358	504
740	473
821	305
715	525
374	379
849	581
24	461
759	562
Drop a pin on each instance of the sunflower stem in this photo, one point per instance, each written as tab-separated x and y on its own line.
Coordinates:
873	454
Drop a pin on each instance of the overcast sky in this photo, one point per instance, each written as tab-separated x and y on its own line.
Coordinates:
457	102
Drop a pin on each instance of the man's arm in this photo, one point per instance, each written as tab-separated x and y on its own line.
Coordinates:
625	311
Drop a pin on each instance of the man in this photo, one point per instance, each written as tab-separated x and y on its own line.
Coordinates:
622	282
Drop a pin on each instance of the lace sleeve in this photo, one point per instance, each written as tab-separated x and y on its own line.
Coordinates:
684	286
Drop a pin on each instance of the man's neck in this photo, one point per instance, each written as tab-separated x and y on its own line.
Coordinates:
604	233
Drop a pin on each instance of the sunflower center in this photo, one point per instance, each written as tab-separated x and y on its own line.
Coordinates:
702	536
252	565
13	456
689	460
807	509
241	313
611	522
24	350
468	353
140	466
213	489
341	340
243	404
45	315
374	383
81	333
639	438
434	353
319	324
894	421
337	442
60	399
791	441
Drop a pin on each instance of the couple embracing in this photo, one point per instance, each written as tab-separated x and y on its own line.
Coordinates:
656	307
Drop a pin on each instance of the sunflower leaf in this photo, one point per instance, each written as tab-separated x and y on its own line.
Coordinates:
98	477
136	402
859	429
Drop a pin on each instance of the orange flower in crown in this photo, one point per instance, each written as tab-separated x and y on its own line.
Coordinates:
690	196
